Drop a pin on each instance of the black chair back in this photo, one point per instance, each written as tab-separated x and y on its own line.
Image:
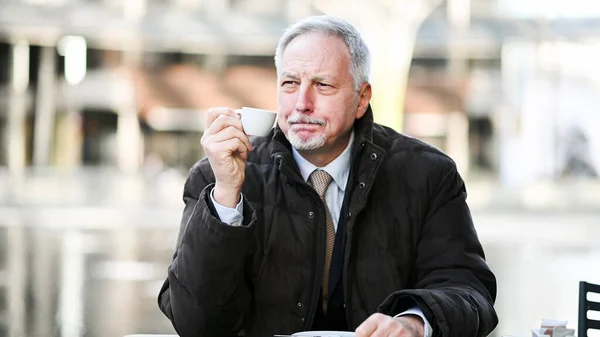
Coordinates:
586	305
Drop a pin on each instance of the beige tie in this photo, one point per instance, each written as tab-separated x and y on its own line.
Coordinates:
320	180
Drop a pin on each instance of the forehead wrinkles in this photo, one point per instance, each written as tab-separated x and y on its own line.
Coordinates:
305	66
315	48
311	70
317	56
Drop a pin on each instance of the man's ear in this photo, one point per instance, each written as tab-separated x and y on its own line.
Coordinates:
364	99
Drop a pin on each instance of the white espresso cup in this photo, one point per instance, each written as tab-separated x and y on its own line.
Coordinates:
257	122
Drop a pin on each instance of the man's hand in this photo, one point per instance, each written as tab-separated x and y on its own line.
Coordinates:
226	146
380	325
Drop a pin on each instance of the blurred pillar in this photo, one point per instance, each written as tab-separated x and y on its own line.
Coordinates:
18	108
17	279
71	294
130	147
45	107
457	138
459	17
44	273
390	29
129	138
392	50
127	248
69	134
129	135
74	50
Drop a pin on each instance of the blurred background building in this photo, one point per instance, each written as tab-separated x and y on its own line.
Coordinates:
101	105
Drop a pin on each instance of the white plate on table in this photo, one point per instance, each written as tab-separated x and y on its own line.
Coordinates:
324	334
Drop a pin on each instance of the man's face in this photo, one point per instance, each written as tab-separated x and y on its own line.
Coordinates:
317	100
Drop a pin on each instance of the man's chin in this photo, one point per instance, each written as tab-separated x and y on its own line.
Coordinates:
306	143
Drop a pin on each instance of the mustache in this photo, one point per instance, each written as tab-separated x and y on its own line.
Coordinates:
304	119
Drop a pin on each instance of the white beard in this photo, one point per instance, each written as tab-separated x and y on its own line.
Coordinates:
313	143
310	144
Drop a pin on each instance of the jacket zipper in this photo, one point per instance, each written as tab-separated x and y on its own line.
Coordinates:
348	246
319	274
320	253
345	275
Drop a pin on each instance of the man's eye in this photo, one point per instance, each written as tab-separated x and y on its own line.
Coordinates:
324	85
288	83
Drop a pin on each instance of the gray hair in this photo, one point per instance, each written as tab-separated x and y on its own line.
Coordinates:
360	57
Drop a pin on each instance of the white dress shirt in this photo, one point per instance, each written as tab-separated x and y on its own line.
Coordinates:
339	170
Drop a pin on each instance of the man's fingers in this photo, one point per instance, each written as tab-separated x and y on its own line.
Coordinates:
230	146
214	119
369	326
221	122
244	156
383	331
226	125
229	133
212	114
390	328
379	325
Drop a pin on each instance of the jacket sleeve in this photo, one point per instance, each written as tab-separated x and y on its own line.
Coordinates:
454	287
206	292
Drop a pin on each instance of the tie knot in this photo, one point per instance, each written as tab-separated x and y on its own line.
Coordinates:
320	180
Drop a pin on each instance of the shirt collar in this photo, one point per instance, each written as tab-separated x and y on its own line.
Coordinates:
338	169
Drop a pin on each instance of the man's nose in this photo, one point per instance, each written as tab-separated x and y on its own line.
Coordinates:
305	99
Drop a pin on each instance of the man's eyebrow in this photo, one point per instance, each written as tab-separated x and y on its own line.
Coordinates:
289	75
320	79
317	78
